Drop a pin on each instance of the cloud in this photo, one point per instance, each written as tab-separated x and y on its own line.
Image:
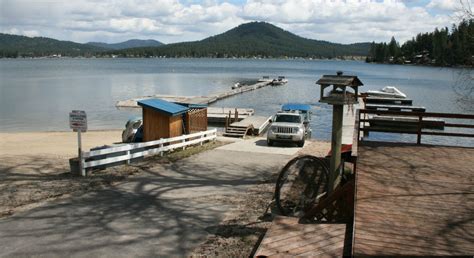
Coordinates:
446	5
343	21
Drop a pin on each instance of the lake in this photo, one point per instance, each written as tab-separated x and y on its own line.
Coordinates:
38	94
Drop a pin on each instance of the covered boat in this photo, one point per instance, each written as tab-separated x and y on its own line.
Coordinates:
388	92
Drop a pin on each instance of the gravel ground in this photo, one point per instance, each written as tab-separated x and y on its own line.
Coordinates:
28	181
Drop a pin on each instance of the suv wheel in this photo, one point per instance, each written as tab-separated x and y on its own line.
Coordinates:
301	143
269	142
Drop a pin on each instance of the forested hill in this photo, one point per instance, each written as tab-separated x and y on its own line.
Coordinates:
442	47
253	39
21	46
132	43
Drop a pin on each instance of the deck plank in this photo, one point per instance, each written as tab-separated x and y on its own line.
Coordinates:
414	200
287	237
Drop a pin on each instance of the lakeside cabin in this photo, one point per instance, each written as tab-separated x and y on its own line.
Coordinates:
163	119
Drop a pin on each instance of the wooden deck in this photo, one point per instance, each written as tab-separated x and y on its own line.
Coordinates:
259	123
414	200
288	238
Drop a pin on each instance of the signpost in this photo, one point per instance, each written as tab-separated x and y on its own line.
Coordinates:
78	122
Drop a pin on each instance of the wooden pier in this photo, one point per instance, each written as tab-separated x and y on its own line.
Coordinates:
215	115
132	103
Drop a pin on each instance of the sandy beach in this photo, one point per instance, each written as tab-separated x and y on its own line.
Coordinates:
34	166
54	144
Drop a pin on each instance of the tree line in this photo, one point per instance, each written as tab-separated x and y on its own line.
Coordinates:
442	47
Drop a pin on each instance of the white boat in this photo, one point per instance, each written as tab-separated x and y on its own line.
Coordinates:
280	81
236	86
388	92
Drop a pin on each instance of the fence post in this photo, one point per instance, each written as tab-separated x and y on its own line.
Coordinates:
183	141
418	138
82	163
128	160
161	147
202	136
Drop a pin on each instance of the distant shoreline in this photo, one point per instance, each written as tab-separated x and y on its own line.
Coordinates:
346	58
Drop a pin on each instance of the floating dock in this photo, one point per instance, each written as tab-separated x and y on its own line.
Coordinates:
254	125
395	108
217	115
388	101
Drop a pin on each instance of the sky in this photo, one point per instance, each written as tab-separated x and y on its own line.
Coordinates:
169	21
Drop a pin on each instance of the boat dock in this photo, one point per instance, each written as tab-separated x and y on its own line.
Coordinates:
218	115
257	123
395	107
215	115
388	101
132	103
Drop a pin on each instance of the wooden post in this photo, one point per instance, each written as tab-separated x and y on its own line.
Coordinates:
79	150
161	147
183	141
358	124
202	136
418	137
236	115
336	141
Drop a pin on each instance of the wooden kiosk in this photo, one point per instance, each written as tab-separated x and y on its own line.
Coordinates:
161	119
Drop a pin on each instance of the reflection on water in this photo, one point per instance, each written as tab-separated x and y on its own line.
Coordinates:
37	95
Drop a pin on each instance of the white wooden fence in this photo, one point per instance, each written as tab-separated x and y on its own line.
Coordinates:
135	150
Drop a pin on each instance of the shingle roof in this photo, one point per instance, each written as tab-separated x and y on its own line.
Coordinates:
339	80
163	106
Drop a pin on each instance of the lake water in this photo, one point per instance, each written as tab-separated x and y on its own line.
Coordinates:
37	95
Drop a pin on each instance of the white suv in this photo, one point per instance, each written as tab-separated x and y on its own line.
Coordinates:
287	127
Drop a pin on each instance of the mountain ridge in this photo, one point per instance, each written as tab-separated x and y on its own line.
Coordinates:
131	43
253	39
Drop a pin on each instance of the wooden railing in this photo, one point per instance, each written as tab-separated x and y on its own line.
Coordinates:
131	151
362	119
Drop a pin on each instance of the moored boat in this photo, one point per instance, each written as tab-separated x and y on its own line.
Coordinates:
387	92
279	81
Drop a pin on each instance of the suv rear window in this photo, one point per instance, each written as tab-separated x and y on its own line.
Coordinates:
288	119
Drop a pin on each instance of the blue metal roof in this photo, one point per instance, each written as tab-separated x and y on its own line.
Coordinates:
192	105
296	106
163	106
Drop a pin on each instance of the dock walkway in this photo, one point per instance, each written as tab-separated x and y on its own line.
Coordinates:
414	200
132	103
259	123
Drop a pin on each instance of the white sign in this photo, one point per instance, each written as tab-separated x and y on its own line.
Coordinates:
78	120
